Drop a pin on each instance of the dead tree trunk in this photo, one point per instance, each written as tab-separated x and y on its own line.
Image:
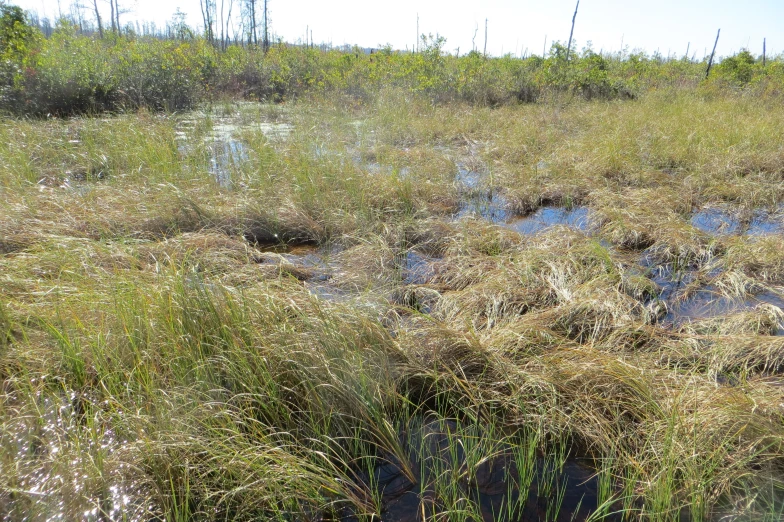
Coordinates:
265	40
571	33
254	34
98	18
713	53
228	21
207	17
222	40
485	49
416	46
111	15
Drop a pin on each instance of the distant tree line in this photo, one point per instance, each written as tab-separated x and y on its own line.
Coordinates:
76	65
225	22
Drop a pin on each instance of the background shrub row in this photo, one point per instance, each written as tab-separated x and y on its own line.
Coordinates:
72	73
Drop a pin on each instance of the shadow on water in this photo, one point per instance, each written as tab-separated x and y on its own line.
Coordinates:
458	472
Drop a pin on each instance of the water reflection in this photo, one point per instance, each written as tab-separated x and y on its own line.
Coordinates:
547	217
454	469
66	464
715	220
689	296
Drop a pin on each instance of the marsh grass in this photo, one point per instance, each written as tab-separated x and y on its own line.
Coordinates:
166	352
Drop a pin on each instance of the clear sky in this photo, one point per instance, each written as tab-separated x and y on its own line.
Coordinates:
513	25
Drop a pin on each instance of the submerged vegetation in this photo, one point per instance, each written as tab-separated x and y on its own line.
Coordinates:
407	293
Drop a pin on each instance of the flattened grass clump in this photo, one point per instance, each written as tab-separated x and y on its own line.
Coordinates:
642	218
763	320
557	273
739	354
757	258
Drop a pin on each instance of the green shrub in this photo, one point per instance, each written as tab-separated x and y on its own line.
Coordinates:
70	73
738	68
17	41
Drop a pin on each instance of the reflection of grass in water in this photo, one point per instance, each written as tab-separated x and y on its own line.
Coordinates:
466	470
228	390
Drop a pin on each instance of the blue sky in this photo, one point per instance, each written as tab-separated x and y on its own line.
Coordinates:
513	25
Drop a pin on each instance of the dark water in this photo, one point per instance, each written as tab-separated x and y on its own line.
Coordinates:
449	473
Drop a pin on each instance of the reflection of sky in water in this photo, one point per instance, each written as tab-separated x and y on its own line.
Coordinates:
224	157
765	223
468	178
58	432
491	205
226	151
478	201
546	217
418	269
716	221
706	302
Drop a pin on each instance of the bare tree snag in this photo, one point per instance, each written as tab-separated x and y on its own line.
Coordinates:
571	33
713	53
98	18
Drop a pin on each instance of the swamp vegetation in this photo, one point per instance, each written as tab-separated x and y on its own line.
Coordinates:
388	299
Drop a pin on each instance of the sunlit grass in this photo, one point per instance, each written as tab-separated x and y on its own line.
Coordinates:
165	357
